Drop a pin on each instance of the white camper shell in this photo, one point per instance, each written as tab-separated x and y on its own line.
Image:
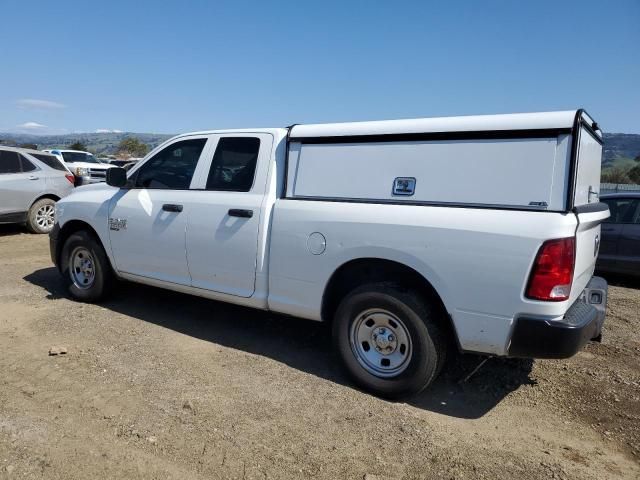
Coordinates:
521	161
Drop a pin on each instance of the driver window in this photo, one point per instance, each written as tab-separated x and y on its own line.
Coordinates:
171	168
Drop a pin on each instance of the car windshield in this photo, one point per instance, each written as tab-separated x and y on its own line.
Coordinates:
72	157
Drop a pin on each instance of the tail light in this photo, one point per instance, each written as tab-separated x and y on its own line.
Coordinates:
70	177
552	272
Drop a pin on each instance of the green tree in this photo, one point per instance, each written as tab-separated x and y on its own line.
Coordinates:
132	147
634	174
78	145
615	175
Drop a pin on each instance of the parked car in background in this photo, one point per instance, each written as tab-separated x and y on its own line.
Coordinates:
84	165
30	183
620	242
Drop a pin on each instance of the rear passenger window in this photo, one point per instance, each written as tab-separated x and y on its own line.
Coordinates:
171	168
234	164
623	210
9	162
27	166
50	161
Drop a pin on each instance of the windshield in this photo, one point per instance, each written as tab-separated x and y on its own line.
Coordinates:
72	157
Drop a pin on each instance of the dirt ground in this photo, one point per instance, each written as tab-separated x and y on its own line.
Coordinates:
162	385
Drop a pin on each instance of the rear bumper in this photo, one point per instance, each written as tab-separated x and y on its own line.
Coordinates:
536	338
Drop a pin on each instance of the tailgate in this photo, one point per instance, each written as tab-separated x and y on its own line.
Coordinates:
586	202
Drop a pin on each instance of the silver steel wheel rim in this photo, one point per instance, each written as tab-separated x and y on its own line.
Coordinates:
82	268
381	343
45	217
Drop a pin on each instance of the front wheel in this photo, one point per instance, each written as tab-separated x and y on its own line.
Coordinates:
86	268
388	340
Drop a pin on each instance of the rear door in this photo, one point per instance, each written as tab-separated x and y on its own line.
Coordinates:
610	237
629	243
224	213
590	212
623	213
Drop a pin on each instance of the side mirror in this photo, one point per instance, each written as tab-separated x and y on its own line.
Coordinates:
116	177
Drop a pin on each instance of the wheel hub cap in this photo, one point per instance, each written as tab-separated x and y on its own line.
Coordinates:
384	340
381	343
81	268
45	217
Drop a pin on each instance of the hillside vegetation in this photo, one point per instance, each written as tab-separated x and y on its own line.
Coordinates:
621	158
101	144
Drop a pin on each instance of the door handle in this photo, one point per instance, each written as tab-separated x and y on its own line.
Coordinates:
172	207
33	177
239	212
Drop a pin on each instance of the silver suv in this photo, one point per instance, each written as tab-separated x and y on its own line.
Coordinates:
30	183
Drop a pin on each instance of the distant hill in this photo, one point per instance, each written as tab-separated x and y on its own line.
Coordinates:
619	148
99	143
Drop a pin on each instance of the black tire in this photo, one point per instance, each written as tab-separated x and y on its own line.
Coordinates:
32	217
103	279
427	339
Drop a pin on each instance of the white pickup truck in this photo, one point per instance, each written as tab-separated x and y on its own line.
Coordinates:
411	237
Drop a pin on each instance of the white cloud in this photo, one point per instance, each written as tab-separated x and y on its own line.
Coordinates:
106	130
31	126
39	104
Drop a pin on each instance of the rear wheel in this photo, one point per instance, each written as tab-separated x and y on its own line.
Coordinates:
41	216
86	268
389	340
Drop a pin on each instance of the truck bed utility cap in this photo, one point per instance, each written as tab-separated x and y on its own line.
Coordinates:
474	123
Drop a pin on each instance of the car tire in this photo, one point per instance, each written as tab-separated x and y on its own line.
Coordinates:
389	340
41	216
86	268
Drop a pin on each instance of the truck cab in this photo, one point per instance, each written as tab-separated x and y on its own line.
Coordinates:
362	225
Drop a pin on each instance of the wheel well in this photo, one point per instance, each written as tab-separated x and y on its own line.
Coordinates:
69	229
372	270
53	197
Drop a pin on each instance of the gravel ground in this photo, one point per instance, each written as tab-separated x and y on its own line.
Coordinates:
162	385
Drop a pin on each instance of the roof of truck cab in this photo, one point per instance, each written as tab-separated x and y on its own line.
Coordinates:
473	123
272	131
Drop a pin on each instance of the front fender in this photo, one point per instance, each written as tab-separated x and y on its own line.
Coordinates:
89	205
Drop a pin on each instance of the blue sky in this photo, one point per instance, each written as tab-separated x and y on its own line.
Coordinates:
165	66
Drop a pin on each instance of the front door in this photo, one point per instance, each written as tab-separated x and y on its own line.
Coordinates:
224	215
148	221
